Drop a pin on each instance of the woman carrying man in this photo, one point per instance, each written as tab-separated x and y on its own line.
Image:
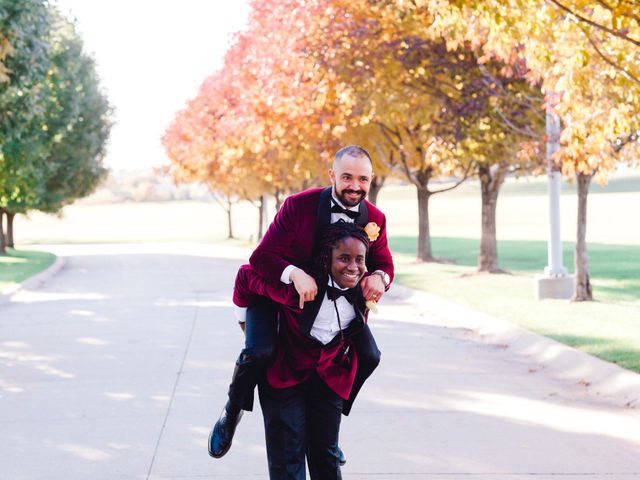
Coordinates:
315	364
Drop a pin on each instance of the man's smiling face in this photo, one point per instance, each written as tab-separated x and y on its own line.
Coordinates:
351	177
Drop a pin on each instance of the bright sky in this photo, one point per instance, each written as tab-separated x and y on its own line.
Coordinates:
152	55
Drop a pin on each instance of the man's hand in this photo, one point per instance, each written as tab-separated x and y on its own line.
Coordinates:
372	287
305	286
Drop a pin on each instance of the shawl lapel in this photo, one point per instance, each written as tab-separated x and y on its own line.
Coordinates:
310	312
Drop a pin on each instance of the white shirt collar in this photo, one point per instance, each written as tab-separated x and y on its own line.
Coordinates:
335	284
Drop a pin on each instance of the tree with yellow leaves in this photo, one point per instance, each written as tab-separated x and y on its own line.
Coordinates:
441	111
585	53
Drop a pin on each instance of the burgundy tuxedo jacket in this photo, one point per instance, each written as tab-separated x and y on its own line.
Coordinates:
298	354
291	237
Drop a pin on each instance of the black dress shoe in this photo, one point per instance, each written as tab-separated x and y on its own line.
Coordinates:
341	458
222	433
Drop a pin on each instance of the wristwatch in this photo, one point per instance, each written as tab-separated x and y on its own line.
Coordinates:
385	278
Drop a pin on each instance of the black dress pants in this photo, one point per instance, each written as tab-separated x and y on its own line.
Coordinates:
300	421
260	342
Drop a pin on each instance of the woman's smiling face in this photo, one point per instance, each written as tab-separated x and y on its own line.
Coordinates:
348	262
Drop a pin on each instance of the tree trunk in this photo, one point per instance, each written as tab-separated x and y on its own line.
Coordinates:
582	286
3	244
374	189
262	214
424	237
278	196
491	179
10	242
229	222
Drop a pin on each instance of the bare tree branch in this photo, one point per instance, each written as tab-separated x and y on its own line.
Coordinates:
594	24
386	159
527	132
386	131
407	170
627	73
224	204
465	175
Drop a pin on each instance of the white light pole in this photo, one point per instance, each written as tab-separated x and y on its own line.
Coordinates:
554	283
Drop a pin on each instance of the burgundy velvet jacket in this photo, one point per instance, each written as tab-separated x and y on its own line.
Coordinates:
298	354
291	237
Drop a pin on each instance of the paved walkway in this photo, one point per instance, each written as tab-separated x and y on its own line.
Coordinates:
117	367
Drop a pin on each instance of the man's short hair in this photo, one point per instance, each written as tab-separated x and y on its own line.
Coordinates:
353	151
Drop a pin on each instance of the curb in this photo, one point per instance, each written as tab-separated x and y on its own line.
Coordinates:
33	282
596	376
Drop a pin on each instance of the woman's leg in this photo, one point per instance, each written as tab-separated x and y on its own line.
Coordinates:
324	408
284	427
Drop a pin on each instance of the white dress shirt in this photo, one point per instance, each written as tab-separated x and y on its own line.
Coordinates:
326	325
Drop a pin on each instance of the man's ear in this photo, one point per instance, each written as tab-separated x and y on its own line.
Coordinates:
332	176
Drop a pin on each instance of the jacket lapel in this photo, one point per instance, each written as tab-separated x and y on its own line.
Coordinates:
310	312
356	324
324	211
363	219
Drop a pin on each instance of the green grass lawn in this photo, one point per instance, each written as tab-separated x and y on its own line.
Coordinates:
608	328
18	265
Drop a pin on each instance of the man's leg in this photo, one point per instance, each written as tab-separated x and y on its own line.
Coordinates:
261	331
260	339
368	360
324	407
284	430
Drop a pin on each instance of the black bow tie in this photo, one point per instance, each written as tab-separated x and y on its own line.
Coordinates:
335	208
334	293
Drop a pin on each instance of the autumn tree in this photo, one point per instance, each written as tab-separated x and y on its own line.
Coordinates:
441	111
196	150
273	132
585	53
503	136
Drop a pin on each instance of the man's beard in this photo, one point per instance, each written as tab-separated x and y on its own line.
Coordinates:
343	199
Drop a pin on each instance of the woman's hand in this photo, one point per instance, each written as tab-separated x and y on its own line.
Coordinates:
305	286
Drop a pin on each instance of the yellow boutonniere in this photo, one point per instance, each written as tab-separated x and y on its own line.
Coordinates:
372	305
372	230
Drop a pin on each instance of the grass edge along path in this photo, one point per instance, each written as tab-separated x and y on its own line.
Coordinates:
608	328
19	265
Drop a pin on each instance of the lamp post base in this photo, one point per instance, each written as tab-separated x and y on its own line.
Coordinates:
553	287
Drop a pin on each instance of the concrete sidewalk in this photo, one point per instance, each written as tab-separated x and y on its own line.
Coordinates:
117	367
